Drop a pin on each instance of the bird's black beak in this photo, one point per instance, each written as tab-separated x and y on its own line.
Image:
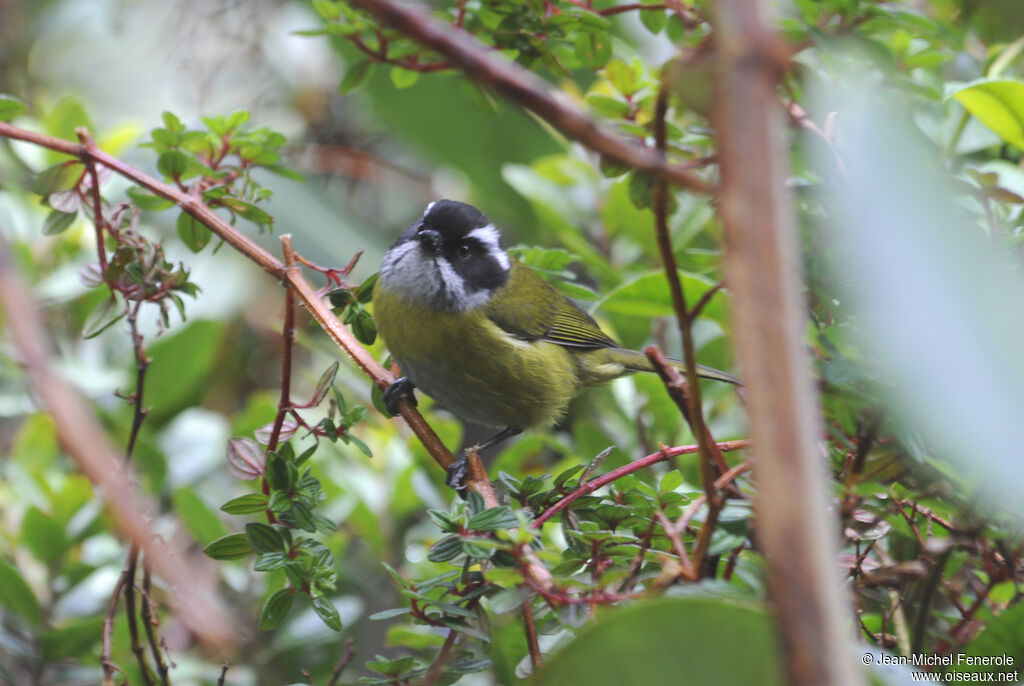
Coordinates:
429	239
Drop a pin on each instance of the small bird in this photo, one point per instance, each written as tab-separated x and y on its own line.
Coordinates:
484	335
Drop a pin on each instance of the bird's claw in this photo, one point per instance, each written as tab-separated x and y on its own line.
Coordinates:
399	388
457	473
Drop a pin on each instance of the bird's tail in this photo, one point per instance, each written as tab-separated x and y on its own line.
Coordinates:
635	361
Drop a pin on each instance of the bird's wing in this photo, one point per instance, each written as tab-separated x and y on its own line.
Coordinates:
529	308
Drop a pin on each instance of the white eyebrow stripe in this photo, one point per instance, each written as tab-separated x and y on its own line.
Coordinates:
491	240
430	206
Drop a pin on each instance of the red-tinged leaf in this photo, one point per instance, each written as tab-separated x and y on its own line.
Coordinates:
245	458
65	201
288	429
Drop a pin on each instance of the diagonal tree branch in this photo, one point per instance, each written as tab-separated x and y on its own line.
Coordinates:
484	65
87	443
87	151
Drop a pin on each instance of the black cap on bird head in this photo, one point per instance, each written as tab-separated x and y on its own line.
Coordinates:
452	219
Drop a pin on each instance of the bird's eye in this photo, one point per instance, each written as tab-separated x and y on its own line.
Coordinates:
464	251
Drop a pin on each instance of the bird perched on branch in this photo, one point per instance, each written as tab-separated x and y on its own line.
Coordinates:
483	334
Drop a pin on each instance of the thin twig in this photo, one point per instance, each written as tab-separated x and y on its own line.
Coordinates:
108	627
149	623
132	617
437	668
592	485
531	635
350	652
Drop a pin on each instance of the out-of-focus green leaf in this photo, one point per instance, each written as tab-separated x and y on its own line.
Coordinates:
199	519
181	365
356	76
660	641
1004	635
10	107
649	296
17	596
998	104
75	638
44	536
192	232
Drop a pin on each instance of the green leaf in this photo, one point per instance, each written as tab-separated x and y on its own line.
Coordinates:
181	366
622	76
1004	635
230	547
106	314
59	177
403	78
327	9
10	107
656	642
276	608
356	76
44	536
192	232
247	210
324	383
648	296
270	561
388	614
145	200
199	519
264	538
326	611
448	548
671	481
654	19
998	104
250	503
176	164
606	106
76	638
17	596
493	519
57	222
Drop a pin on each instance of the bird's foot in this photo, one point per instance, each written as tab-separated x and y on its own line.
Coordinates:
399	388
456	475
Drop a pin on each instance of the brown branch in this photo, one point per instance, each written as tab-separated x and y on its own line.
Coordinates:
437	668
132	617
762	268
531	635
270	264
149	622
108	628
350	652
484	65
588	487
85	441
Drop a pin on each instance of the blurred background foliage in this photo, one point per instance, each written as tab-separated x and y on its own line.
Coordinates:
926	568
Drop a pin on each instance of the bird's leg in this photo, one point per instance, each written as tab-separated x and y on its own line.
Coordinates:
460	468
399	388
